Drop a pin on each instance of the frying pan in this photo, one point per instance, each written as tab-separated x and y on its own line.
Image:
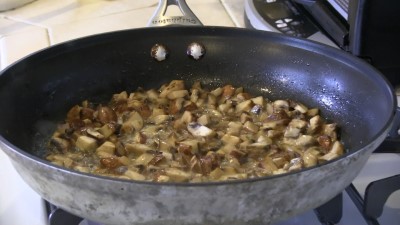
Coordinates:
37	91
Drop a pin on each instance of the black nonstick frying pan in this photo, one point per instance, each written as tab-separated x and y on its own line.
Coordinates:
37	91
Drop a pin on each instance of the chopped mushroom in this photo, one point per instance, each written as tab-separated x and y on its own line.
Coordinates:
107	147
94	133
177	175
281	104
244	106
134	175
178	134
107	130
336	151
172	86
177	94
86	143
199	130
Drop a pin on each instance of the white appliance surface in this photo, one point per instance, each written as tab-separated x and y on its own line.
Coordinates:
43	23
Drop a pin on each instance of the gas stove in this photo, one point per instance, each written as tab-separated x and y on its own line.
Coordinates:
20	205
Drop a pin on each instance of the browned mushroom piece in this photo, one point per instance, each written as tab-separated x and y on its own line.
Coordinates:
179	134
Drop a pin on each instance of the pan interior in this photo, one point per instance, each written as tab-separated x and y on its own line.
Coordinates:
36	92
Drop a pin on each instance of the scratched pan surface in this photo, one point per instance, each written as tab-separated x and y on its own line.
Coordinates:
37	91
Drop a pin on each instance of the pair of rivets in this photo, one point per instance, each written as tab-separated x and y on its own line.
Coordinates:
194	50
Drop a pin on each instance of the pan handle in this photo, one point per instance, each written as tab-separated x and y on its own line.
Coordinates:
159	19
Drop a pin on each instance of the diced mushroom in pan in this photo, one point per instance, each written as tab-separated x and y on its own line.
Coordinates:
197	129
179	134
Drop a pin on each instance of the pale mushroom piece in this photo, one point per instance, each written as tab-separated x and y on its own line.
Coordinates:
244	106
134	122
124	160
163	178
157	111
330	130
280	104
160	119
152	94
172	86
187	117
224	107
102	154
197	129
83	169
295	164
305	140
312	112
258	100
144	159
234	128
94	133
204	119
236	176
134	175
300	107
137	148
194	95
177	94
177	174
310	157
176	105
107	147
107	130
268	164
337	148
263	138
329	156
298	123
193	145
292	132
123	96
279	171
86	143
167	155
217	92
230	139
315	123
211	99
216	174
250	126
258	145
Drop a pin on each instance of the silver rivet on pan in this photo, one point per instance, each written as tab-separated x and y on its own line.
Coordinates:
195	51
159	52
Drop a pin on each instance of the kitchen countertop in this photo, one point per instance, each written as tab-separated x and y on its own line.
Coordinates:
43	23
